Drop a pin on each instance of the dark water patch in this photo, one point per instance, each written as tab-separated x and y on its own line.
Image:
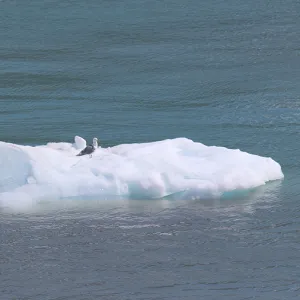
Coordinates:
18	80
35	55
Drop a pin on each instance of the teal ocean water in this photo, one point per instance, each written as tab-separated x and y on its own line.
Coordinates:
153	214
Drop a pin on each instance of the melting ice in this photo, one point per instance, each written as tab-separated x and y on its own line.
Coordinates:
139	171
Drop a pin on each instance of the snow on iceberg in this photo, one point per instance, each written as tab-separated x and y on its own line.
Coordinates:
130	171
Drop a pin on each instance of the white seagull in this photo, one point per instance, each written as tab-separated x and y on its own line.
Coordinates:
89	149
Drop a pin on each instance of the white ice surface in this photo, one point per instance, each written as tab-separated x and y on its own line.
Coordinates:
138	171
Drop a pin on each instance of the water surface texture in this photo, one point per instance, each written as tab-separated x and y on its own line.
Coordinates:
137	72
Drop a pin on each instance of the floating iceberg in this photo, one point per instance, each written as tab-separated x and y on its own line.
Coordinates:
129	171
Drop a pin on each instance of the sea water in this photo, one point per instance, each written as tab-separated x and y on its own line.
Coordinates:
193	192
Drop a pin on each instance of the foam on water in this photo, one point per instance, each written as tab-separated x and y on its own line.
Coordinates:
130	171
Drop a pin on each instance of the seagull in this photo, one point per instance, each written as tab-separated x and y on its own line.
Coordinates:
89	149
